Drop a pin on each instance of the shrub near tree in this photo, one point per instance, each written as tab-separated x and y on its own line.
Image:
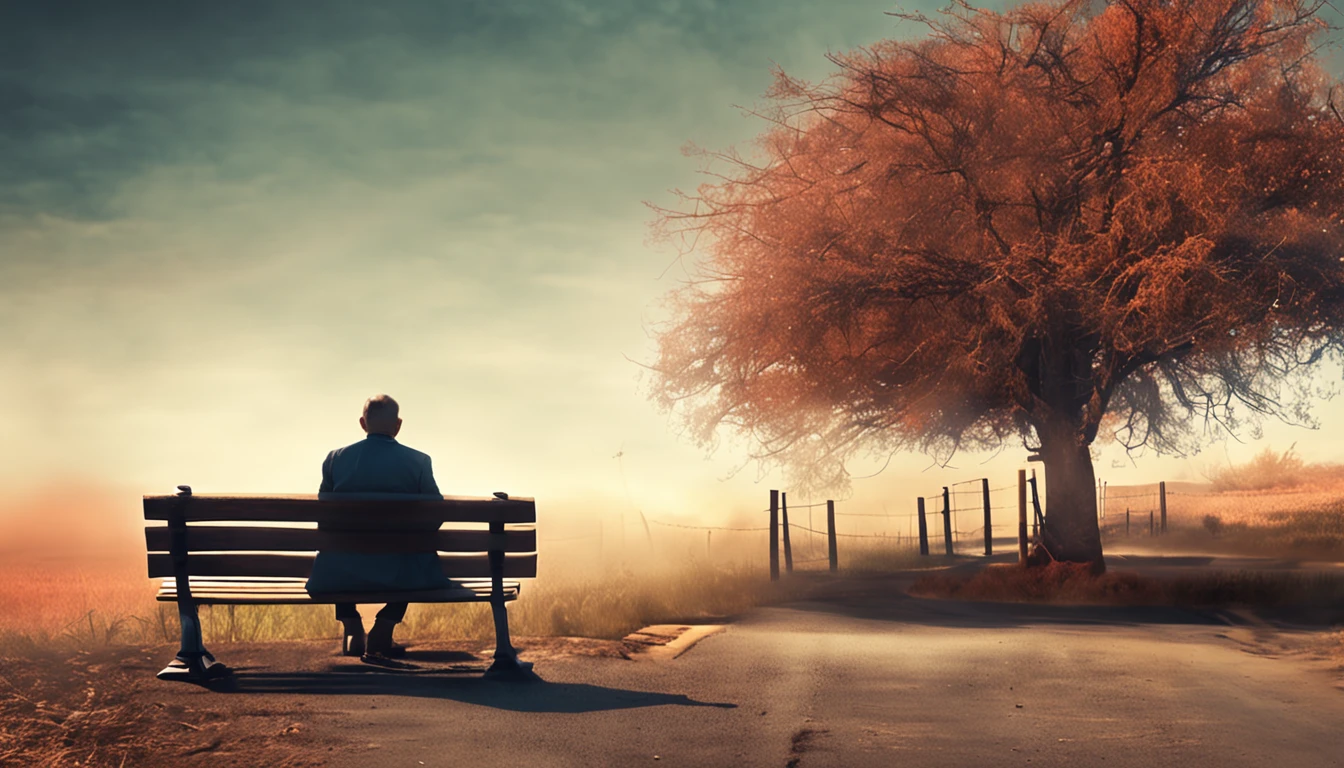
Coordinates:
1213	524
1059	222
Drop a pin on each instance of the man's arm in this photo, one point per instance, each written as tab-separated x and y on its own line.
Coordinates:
427	485
326	474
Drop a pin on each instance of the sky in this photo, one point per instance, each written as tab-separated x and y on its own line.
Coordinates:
224	225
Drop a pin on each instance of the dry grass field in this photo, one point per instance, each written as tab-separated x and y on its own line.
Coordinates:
1276	505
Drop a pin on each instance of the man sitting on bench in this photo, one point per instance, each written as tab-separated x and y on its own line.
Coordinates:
376	464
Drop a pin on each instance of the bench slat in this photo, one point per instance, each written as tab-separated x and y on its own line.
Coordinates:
516	566
225	538
304	597
213	599
292	593
288	586
282	589
343	511
248	582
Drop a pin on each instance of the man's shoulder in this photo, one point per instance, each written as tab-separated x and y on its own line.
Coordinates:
417	455
353	447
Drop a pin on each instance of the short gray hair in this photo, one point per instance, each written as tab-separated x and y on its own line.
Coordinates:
381	408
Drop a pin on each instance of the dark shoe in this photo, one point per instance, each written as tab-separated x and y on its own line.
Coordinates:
390	651
511	669
379	660
380	641
352	639
201	670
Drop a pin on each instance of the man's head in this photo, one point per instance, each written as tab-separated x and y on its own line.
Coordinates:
381	416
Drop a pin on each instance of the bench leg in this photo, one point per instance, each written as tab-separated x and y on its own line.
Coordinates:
194	664
507	665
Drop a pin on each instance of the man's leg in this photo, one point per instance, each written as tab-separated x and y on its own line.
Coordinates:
393	613
380	637
352	638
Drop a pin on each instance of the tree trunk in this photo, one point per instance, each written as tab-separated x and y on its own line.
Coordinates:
1071	531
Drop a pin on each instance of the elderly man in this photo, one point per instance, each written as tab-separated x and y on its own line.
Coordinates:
376	464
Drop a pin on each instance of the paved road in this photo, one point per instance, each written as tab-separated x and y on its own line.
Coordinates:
871	682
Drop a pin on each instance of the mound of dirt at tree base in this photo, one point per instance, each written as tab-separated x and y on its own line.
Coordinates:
63	706
1310	596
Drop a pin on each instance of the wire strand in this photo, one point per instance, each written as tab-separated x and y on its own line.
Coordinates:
706	527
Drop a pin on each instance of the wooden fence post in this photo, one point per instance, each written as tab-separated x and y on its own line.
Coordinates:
774	535
1150	522
989	526
1035	506
947	520
1162	502
784	522
830	536
1022	516
923	529
1126	522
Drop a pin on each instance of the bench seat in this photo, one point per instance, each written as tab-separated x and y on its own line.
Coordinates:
240	591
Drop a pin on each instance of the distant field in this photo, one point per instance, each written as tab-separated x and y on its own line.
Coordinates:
1276	504
108	599
1302	522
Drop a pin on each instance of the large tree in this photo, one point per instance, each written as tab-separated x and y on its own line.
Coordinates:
1061	220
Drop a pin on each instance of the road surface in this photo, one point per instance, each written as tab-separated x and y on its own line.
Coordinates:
866	678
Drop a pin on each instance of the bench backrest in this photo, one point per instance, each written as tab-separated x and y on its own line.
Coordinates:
366	523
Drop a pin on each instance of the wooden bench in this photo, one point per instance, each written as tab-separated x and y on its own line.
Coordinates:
265	552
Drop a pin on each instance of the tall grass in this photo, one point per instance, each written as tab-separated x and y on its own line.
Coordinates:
878	556
53	602
609	604
1316	533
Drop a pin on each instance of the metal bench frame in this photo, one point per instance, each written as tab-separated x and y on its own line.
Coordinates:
367	523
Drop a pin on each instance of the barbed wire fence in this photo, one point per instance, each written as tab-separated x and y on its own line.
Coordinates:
1140	504
972	517
796	535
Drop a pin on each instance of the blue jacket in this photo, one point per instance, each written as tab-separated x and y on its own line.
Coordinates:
377	464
